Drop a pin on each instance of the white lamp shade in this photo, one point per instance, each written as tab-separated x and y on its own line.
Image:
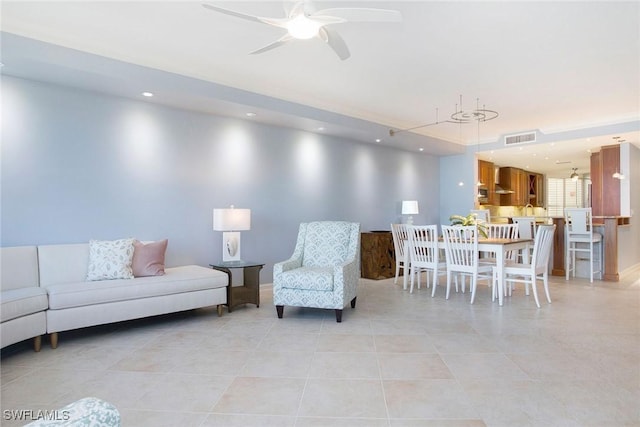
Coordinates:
409	207
231	219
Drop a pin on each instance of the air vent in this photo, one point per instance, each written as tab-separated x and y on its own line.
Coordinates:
522	138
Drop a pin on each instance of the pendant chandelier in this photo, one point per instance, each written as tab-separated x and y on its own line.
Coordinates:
460	116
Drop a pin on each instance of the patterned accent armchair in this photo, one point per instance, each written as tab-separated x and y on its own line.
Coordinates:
323	271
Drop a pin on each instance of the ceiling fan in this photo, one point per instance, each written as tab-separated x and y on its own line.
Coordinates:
304	22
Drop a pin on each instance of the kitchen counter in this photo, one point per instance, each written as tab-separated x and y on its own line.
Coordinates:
507	219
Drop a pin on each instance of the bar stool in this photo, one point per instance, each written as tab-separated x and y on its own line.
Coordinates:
579	233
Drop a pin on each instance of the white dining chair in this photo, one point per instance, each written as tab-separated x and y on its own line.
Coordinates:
502	231
482	214
461	254
580	238
425	254
530	273
526	226
399	233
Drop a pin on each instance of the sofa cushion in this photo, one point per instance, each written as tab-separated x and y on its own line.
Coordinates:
308	278
176	280
63	263
110	259
148	258
21	302
19	267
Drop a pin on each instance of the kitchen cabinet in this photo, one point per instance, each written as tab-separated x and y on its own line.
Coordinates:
527	187
536	189
517	180
486	176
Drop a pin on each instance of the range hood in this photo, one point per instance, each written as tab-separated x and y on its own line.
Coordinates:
498	188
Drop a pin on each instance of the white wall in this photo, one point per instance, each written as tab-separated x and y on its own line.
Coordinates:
78	165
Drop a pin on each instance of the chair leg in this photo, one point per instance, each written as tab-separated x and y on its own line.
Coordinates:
448	283
435	282
37	343
338	315
567	266
412	273
353	302
473	286
280	310
535	289
395	281
591	261
545	281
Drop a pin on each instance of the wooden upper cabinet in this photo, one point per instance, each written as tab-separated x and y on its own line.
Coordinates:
527	187
536	189
514	179
487	178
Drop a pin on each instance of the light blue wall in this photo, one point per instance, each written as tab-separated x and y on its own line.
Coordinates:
78	165
457	184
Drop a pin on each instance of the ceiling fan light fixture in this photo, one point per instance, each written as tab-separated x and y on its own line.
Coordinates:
303	28
574	175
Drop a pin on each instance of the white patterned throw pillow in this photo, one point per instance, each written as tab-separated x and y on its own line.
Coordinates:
110	259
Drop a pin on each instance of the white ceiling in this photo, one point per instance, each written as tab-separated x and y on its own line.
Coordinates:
567	69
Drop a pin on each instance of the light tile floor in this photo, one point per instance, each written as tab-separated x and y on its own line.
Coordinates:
396	360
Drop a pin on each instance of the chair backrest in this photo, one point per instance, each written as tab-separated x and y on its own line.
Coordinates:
542	247
423	245
578	220
482	214
461	247
526	226
329	243
400	236
502	231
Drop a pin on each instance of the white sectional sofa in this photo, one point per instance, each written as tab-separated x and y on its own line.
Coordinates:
59	276
22	302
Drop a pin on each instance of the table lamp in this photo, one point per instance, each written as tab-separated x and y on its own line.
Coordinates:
231	221
410	207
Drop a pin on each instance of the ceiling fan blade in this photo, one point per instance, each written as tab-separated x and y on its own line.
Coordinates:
282	40
333	39
326	20
358	14
234	13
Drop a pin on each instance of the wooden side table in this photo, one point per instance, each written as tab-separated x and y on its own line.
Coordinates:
249	292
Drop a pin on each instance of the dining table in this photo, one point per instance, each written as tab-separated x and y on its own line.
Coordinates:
500	247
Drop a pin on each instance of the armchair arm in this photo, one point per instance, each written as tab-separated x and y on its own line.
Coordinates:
290	264
346	276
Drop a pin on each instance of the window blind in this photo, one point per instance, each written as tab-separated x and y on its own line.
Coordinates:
565	193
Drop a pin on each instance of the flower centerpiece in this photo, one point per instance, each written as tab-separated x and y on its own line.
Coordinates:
470	219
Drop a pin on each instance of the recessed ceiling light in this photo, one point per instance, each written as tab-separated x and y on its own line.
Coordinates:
378	140
320	129
250	114
421	149
147	94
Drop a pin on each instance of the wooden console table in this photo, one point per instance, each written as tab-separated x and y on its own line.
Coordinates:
377	255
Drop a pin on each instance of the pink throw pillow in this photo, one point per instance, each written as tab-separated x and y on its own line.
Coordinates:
148	259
